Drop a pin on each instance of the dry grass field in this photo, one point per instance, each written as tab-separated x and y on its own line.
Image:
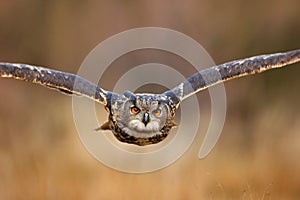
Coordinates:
257	155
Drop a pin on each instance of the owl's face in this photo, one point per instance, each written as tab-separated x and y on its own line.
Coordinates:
141	119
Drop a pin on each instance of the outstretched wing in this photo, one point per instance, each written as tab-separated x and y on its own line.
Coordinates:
239	68
62	81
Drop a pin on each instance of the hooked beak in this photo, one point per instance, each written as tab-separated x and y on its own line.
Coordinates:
146	119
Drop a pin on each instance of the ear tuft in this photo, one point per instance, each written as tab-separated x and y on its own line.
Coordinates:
130	95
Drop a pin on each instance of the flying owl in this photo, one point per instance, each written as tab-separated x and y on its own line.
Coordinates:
144	119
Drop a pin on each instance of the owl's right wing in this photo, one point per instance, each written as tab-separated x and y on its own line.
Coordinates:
62	81
231	70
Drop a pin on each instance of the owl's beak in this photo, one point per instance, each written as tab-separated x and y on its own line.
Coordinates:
146	119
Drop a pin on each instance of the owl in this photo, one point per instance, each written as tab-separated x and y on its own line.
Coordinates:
144	119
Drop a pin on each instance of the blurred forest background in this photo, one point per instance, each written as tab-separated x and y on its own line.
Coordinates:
257	156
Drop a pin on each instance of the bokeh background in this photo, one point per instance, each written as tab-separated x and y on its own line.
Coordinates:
257	156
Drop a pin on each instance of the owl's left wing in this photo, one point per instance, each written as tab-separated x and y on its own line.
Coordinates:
62	81
231	70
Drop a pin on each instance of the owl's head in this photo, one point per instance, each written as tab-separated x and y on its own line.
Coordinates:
140	119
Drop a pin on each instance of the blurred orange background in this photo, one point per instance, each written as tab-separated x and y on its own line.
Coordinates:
257	155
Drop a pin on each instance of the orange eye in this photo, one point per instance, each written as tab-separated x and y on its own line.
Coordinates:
134	110
157	112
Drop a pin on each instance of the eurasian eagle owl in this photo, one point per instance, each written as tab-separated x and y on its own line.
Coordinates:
144	119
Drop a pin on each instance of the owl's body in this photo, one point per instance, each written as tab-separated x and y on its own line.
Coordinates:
144	119
140	119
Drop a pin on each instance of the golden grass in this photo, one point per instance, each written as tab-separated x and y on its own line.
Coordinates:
44	159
